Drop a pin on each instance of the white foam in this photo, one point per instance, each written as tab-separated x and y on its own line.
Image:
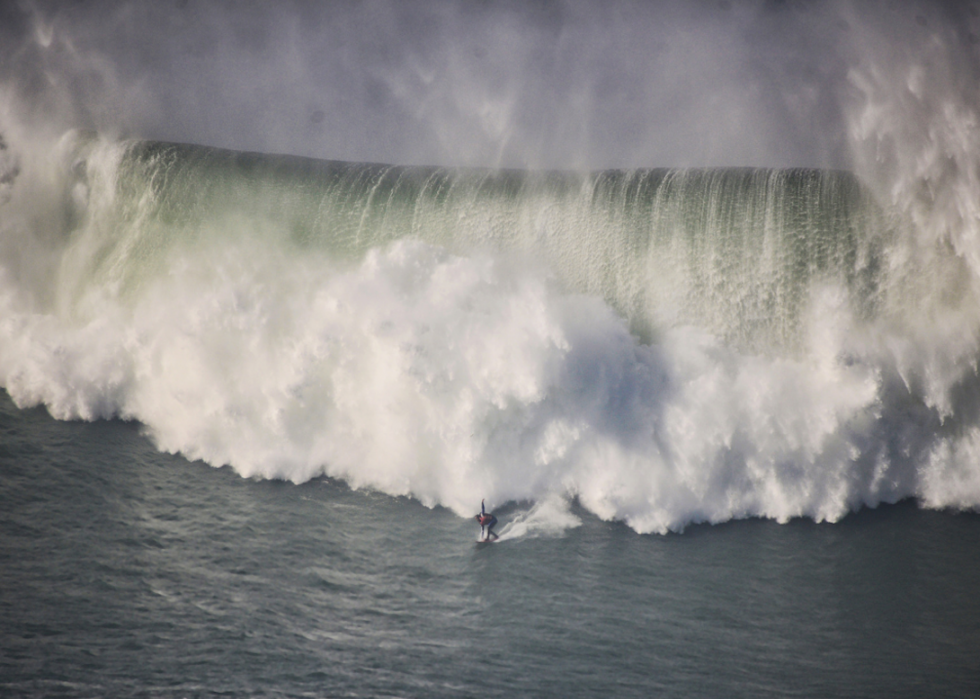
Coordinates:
438	376
550	516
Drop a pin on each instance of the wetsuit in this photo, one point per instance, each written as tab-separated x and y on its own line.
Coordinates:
487	522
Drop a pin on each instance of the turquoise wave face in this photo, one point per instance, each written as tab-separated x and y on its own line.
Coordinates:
735	251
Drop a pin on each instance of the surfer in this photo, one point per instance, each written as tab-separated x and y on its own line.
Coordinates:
487	522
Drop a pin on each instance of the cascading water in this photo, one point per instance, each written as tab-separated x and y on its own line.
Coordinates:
735	251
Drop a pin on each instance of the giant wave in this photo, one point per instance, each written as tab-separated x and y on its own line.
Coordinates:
663	346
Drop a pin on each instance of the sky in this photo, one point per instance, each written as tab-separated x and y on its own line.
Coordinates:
536	84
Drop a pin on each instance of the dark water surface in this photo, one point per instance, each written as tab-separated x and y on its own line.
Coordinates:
126	572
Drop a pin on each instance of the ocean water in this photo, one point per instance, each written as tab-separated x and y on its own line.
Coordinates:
127	572
714	365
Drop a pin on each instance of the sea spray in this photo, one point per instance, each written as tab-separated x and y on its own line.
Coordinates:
913	127
550	516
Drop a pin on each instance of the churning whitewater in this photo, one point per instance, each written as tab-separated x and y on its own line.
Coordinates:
664	346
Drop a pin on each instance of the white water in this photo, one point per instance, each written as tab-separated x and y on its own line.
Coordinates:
437	376
441	376
452	377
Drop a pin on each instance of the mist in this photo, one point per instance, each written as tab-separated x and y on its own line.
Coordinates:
537	85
